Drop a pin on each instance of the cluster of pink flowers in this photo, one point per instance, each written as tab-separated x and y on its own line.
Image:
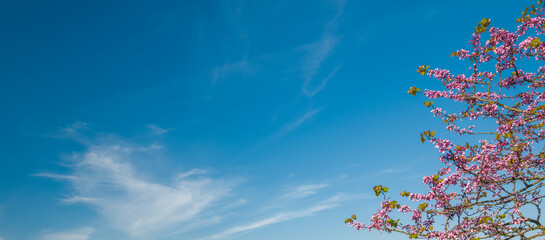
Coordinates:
526	43
405	209
460	130
438	112
442	144
439	73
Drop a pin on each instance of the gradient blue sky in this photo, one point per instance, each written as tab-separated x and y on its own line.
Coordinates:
217	119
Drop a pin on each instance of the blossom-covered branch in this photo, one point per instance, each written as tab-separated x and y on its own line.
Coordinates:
490	189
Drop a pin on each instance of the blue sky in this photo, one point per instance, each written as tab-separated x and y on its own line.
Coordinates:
217	119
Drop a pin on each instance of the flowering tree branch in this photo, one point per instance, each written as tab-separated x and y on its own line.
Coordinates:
491	189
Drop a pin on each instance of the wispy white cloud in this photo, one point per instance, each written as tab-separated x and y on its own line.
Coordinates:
268	221
289	127
393	170
77	234
156	130
79	199
280	217
241	67
74	131
310	91
140	206
303	191
192	172
135	200
318	52
55	176
1	238
298	122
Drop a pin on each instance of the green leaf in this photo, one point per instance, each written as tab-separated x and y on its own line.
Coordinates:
377	189
485	220
432	133
393	204
422	70
535	43
481	27
392	222
413	90
428	103
348	220
423	206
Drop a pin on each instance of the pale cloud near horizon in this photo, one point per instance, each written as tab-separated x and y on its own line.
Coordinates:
140	206
271	220
106	178
143	204
77	234
280	217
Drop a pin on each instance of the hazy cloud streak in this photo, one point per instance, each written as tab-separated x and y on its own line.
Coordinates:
241	67
78	234
318	52
275	219
156	130
55	176
303	191
289	127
